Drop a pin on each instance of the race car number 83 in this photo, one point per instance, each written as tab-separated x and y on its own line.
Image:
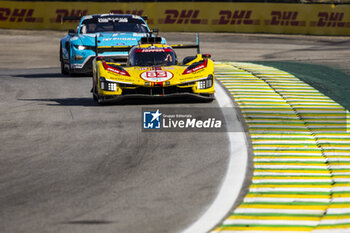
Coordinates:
156	76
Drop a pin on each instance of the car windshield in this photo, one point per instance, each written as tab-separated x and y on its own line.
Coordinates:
152	57
113	24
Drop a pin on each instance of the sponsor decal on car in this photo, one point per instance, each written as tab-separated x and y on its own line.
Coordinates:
157	75
112	19
117	38
153	50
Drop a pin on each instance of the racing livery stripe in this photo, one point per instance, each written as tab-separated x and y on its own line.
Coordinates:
301	149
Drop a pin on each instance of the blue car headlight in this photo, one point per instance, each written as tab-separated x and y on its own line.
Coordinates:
83	47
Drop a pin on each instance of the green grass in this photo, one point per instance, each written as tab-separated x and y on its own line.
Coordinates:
331	82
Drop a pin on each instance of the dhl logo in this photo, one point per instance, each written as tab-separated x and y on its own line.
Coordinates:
19	15
284	18
235	17
60	13
182	17
327	19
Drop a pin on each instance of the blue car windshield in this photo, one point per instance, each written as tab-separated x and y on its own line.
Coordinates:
113	24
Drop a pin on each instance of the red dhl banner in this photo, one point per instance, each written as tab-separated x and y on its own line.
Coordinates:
319	19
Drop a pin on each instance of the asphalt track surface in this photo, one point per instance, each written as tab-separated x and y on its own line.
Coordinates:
68	165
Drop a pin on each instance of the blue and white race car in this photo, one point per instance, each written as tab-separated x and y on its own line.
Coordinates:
77	49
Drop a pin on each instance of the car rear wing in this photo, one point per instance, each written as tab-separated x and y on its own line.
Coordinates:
103	49
189	46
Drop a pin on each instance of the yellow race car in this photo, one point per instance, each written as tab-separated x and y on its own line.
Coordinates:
152	69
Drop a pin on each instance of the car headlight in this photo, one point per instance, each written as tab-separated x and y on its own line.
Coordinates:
206	83
83	47
107	86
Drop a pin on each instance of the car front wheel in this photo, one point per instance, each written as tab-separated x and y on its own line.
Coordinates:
63	70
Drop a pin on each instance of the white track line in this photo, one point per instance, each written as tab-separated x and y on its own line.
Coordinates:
236	171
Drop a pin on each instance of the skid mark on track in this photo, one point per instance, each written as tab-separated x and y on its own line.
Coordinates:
301	150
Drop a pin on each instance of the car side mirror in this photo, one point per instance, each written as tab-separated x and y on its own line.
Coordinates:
155	31
71	31
207	55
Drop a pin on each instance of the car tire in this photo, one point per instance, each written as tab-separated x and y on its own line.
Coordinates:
94	94
94	97
212	96
100	101
63	70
